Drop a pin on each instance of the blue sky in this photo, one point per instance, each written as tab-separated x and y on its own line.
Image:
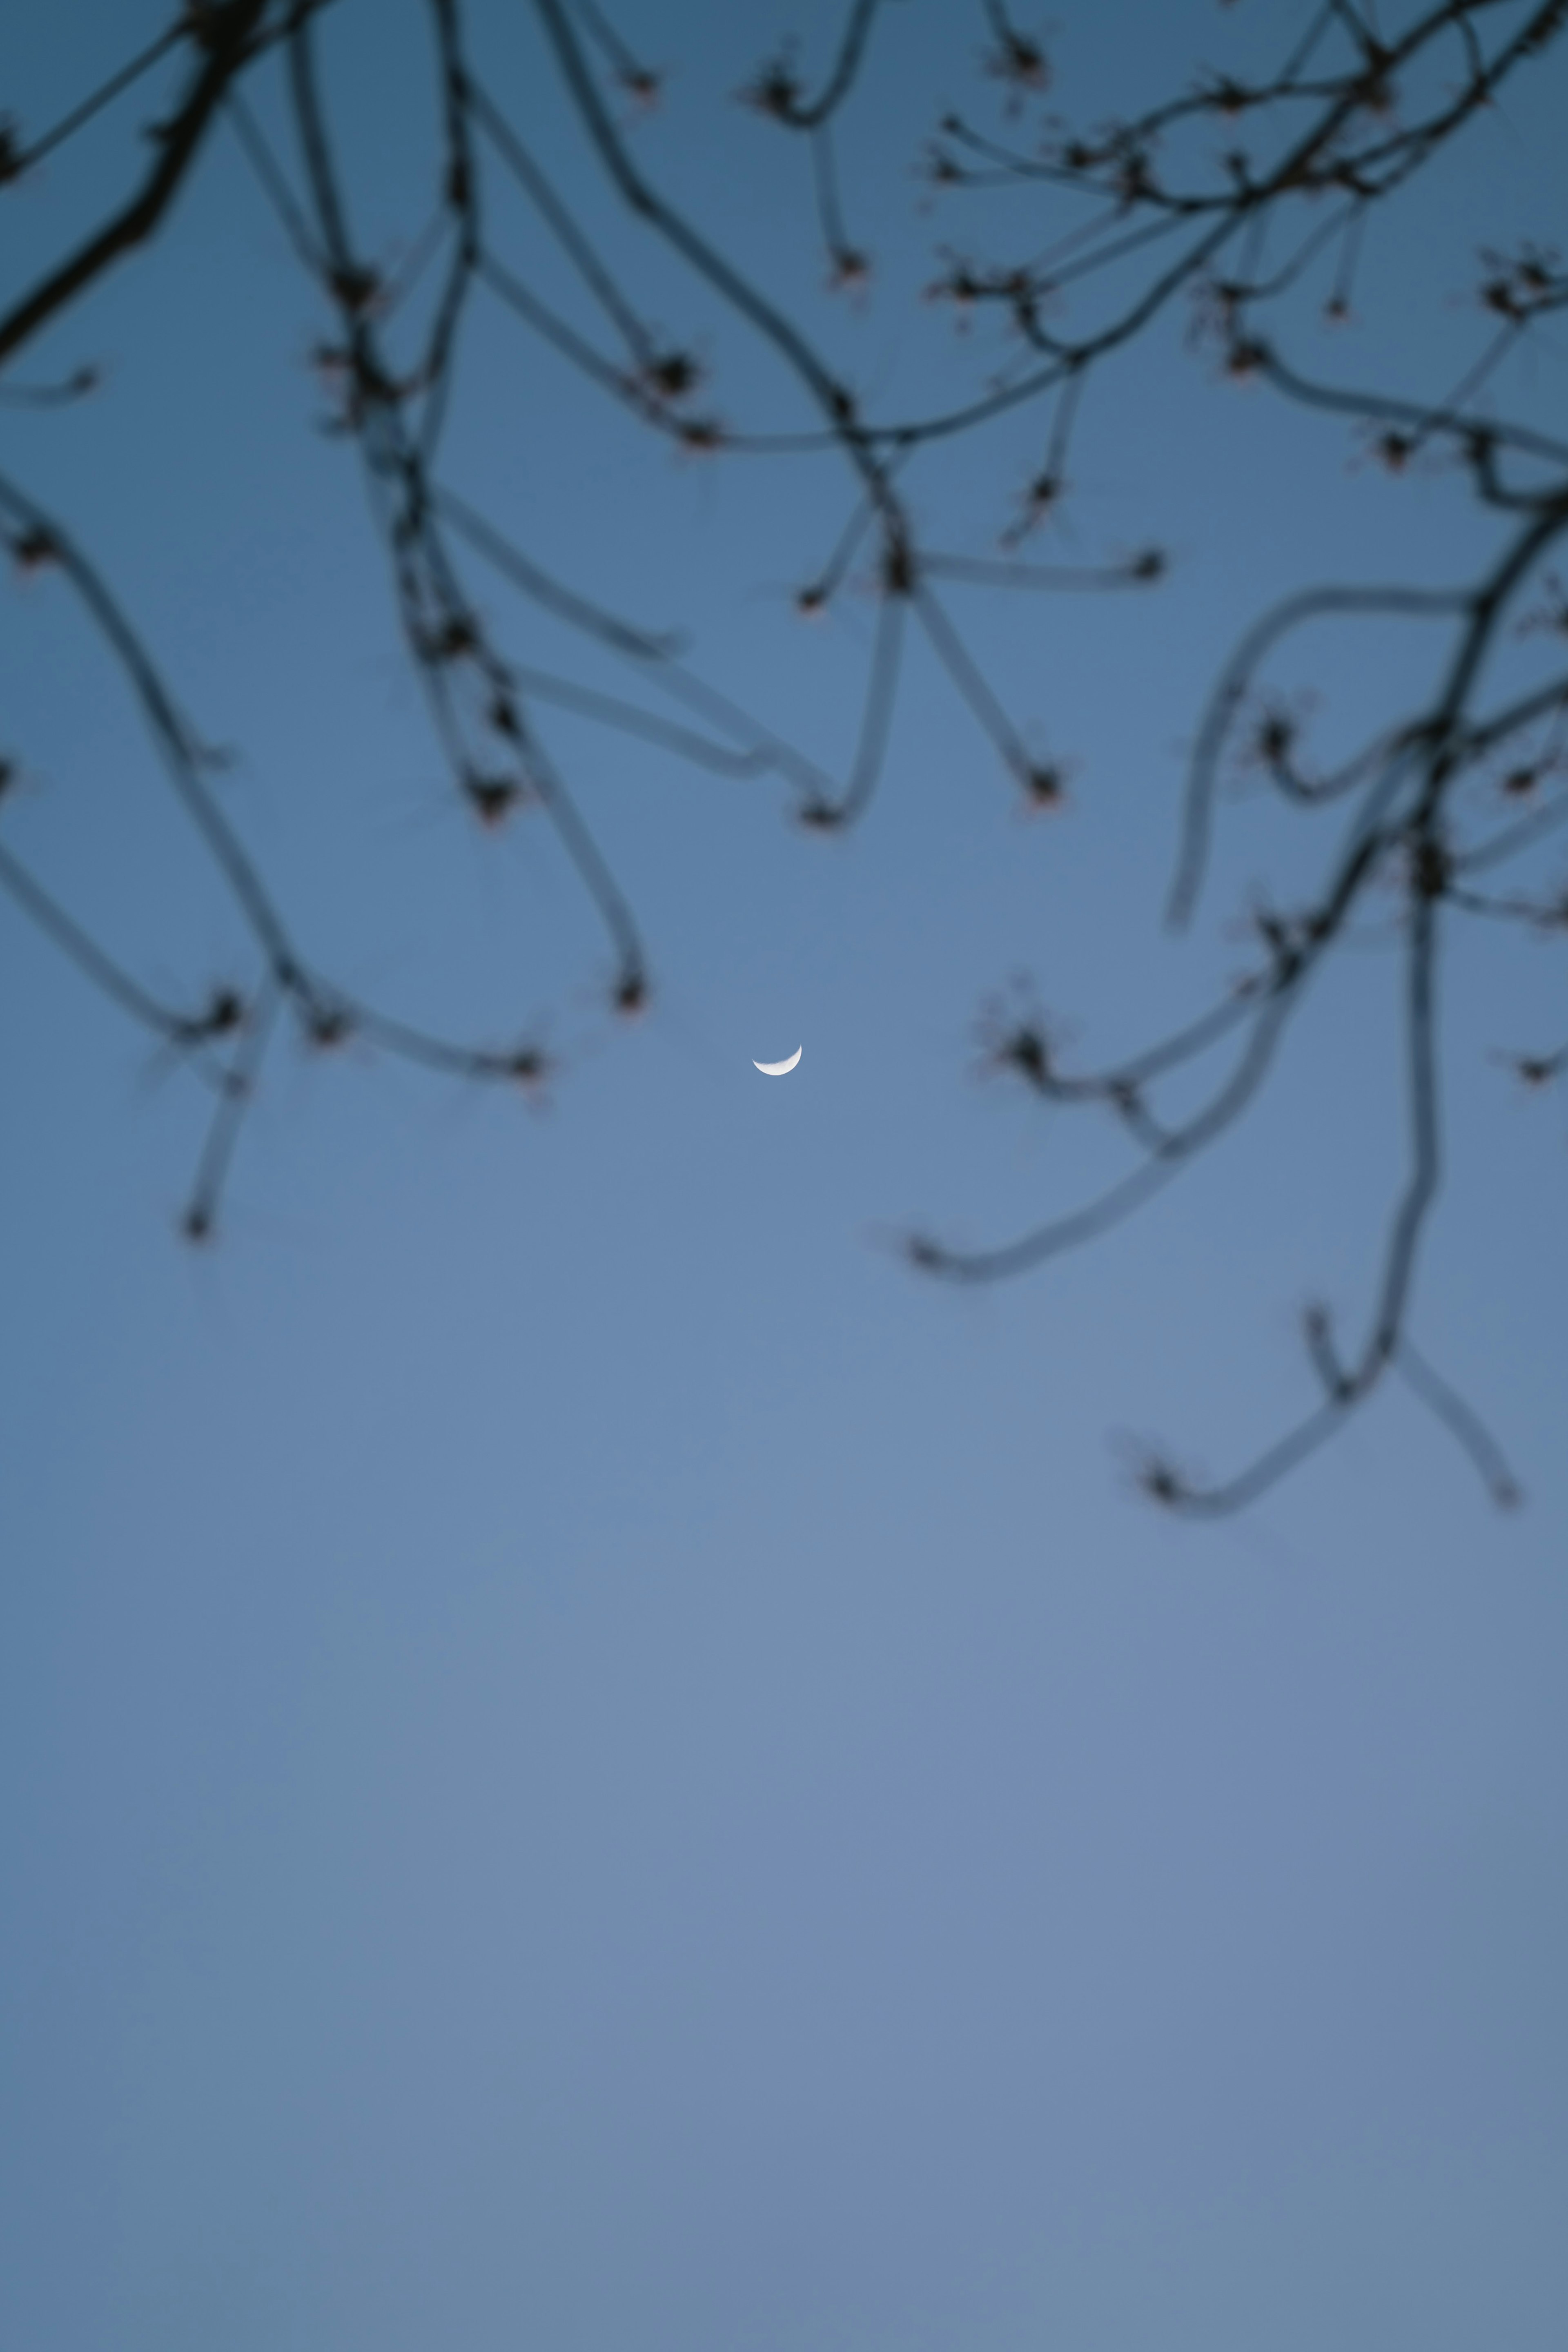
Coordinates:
584	1761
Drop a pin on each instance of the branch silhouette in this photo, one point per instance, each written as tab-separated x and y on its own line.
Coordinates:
1134	218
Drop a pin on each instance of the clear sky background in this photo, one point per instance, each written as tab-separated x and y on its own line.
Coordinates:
585	1762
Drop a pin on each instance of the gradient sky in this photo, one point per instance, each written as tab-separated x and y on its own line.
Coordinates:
584	1762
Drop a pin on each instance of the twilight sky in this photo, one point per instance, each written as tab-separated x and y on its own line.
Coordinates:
583	1761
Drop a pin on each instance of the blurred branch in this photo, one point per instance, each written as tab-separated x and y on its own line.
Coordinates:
224	32
1126	219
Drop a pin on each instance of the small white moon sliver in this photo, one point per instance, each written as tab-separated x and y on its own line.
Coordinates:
778	1069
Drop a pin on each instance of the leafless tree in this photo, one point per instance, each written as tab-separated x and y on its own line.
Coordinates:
1246	201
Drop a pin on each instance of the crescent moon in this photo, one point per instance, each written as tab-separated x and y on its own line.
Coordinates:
778	1069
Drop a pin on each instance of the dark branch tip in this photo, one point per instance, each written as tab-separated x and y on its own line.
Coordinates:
1045	785
673	374
1162	1483
33	549
493	798
1026	1050
774	90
